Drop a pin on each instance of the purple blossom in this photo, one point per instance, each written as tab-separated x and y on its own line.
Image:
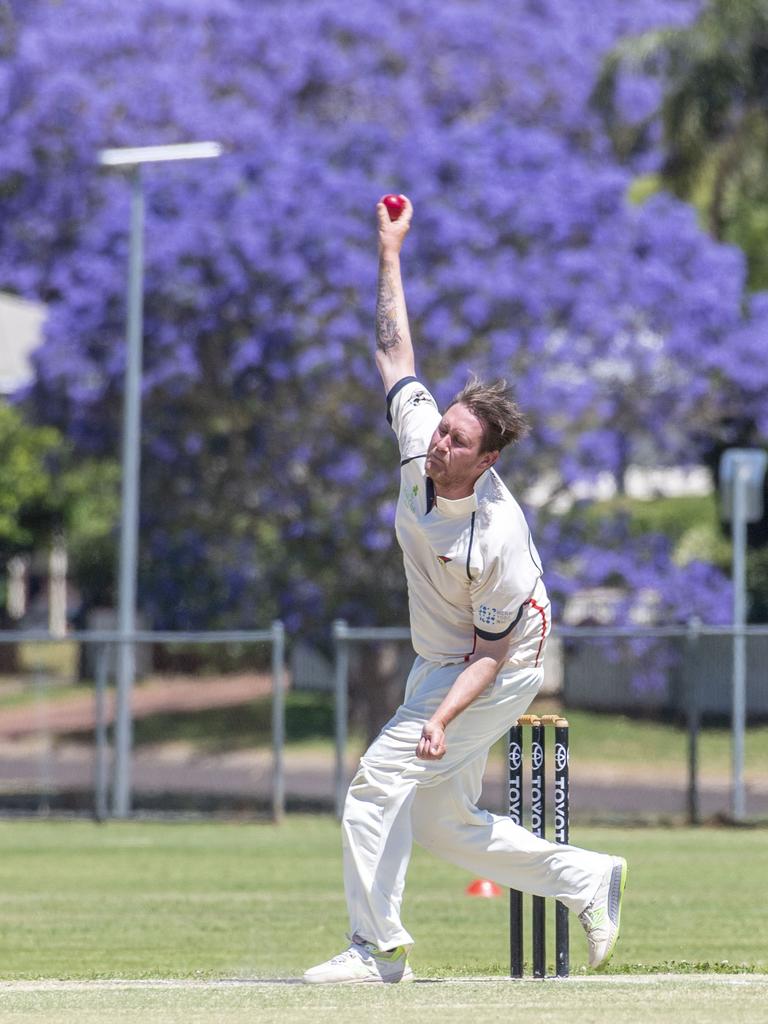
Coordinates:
268	463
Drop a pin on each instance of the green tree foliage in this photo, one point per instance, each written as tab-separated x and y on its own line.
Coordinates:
714	114
44	491
26	505
88	492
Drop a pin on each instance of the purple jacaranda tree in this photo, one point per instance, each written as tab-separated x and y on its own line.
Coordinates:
269	475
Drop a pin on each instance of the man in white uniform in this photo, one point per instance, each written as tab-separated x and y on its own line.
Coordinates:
480	618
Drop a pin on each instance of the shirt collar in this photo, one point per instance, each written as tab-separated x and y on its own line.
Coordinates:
456	506
462	506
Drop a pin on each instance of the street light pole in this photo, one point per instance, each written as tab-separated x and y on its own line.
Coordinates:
742	477
133	159
129	505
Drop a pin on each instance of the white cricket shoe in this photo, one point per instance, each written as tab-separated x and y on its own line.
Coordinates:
602	918
362	964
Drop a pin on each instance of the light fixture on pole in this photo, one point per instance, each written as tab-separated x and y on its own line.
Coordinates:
742	475
133	158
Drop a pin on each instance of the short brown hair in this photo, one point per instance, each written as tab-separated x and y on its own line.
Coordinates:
493	404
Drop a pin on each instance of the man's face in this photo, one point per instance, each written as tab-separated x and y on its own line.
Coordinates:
454	460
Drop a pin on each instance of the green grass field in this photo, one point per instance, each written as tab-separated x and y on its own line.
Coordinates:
206	904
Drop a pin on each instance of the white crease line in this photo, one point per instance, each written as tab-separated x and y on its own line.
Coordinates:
53	985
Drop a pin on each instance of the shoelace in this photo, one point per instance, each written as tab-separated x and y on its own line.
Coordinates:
355	950
592	917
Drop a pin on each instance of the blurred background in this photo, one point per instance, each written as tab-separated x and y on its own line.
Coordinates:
591	216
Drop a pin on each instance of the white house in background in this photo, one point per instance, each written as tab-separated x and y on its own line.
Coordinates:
642	482
21	331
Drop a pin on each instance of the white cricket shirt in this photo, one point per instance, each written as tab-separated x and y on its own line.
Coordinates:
471	565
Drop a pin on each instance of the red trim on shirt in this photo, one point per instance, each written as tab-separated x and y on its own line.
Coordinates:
543	615
542	612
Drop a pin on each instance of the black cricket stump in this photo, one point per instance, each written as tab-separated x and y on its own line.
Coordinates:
516	814
538	827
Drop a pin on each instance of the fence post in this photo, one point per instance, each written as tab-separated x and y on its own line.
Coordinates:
100	773
46	754
739	693
123	732
341	675
693	719
278	720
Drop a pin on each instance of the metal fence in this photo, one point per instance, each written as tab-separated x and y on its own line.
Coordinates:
686	675
58	708
56	719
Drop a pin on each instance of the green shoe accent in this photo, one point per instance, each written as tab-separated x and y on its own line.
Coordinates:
391	955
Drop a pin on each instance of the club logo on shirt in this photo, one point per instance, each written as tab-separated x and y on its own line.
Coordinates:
492	616
444	559
410	497
488	616
421	396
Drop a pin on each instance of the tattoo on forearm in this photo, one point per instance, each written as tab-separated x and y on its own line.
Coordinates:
387	331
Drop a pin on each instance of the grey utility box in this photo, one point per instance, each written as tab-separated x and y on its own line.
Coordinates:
753	462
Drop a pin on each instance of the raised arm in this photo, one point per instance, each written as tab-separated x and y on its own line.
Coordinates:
394	351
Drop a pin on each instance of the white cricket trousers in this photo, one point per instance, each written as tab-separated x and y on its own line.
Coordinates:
395	798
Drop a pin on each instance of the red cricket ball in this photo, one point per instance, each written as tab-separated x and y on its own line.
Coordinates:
394	204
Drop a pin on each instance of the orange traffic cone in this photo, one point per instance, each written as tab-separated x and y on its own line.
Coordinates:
483	887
